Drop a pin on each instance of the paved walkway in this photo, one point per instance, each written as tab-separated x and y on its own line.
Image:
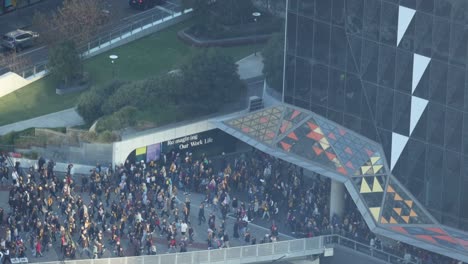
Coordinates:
65	118
249	67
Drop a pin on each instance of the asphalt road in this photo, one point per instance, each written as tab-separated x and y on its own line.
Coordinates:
121	17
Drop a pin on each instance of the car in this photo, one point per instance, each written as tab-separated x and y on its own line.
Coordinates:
19	39
145	4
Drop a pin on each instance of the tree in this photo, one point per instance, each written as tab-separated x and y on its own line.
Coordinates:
14	62
64	62
210	79
273	59
76	20
234	12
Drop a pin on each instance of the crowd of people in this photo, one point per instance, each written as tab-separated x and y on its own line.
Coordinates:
139	201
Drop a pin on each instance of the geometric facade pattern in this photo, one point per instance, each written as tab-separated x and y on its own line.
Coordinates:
396	72
261	125
341	151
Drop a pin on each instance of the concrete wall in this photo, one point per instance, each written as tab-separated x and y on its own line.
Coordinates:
10	82
343	255
122	149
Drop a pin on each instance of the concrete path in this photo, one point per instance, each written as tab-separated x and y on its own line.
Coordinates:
65	118
250	66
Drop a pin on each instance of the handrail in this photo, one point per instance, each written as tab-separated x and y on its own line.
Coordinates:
254	253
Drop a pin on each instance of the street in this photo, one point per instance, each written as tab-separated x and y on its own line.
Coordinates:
121	16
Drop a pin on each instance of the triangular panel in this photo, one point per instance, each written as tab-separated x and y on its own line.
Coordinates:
418	105
400	206
420	64
309	142
398	144
405	15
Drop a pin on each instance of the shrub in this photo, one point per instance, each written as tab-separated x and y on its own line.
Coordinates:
107	137
123	118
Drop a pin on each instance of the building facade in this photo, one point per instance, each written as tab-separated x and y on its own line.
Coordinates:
393	71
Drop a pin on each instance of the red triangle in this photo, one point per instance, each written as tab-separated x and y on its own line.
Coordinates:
332	136
270	134
294	114
342	131
399	229
315	136
263	119
447	238
437	230
246	129
317	150
293	136
284	126
350	165
349	151
427	238
342	170
330	156
311	125
369	153
285	146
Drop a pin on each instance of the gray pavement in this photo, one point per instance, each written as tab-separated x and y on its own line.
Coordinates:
53	253
249	67
65	118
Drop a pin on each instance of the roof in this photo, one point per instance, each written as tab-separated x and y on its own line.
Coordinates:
320	145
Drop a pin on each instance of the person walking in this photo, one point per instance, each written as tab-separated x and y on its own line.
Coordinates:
201	214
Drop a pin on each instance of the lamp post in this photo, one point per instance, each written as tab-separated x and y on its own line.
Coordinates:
113	59
256	16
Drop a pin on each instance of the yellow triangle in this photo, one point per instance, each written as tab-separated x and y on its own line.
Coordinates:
318	130
364	186
405	218
393	221
412	213
383	220
365	169
374	160
377	168
376	186
397	197
375	211
397	210
409	203
324	144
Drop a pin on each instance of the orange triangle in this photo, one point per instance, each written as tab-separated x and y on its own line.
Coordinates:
397	210
409	203
285	146
393	221
383	220
293	136
397	197
406	218
390	189
412	213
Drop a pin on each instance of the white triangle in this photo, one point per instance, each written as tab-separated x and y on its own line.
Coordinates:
398	144
405	15
417	108
420	63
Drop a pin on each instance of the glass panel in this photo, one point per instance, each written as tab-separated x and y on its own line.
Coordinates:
423	34
308	141
260	125
358	156
290	118
371	190
400	208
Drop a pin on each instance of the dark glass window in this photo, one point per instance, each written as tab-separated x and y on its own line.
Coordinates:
369	60
339	46
453	129
371	20
440	38
401	113
305	29
321	42
436	124
319	84
386	73
423	34
389	23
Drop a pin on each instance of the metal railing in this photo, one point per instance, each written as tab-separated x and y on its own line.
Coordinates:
155	20
332	240
252	253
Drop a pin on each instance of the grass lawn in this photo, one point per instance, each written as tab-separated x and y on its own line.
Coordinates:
152	55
